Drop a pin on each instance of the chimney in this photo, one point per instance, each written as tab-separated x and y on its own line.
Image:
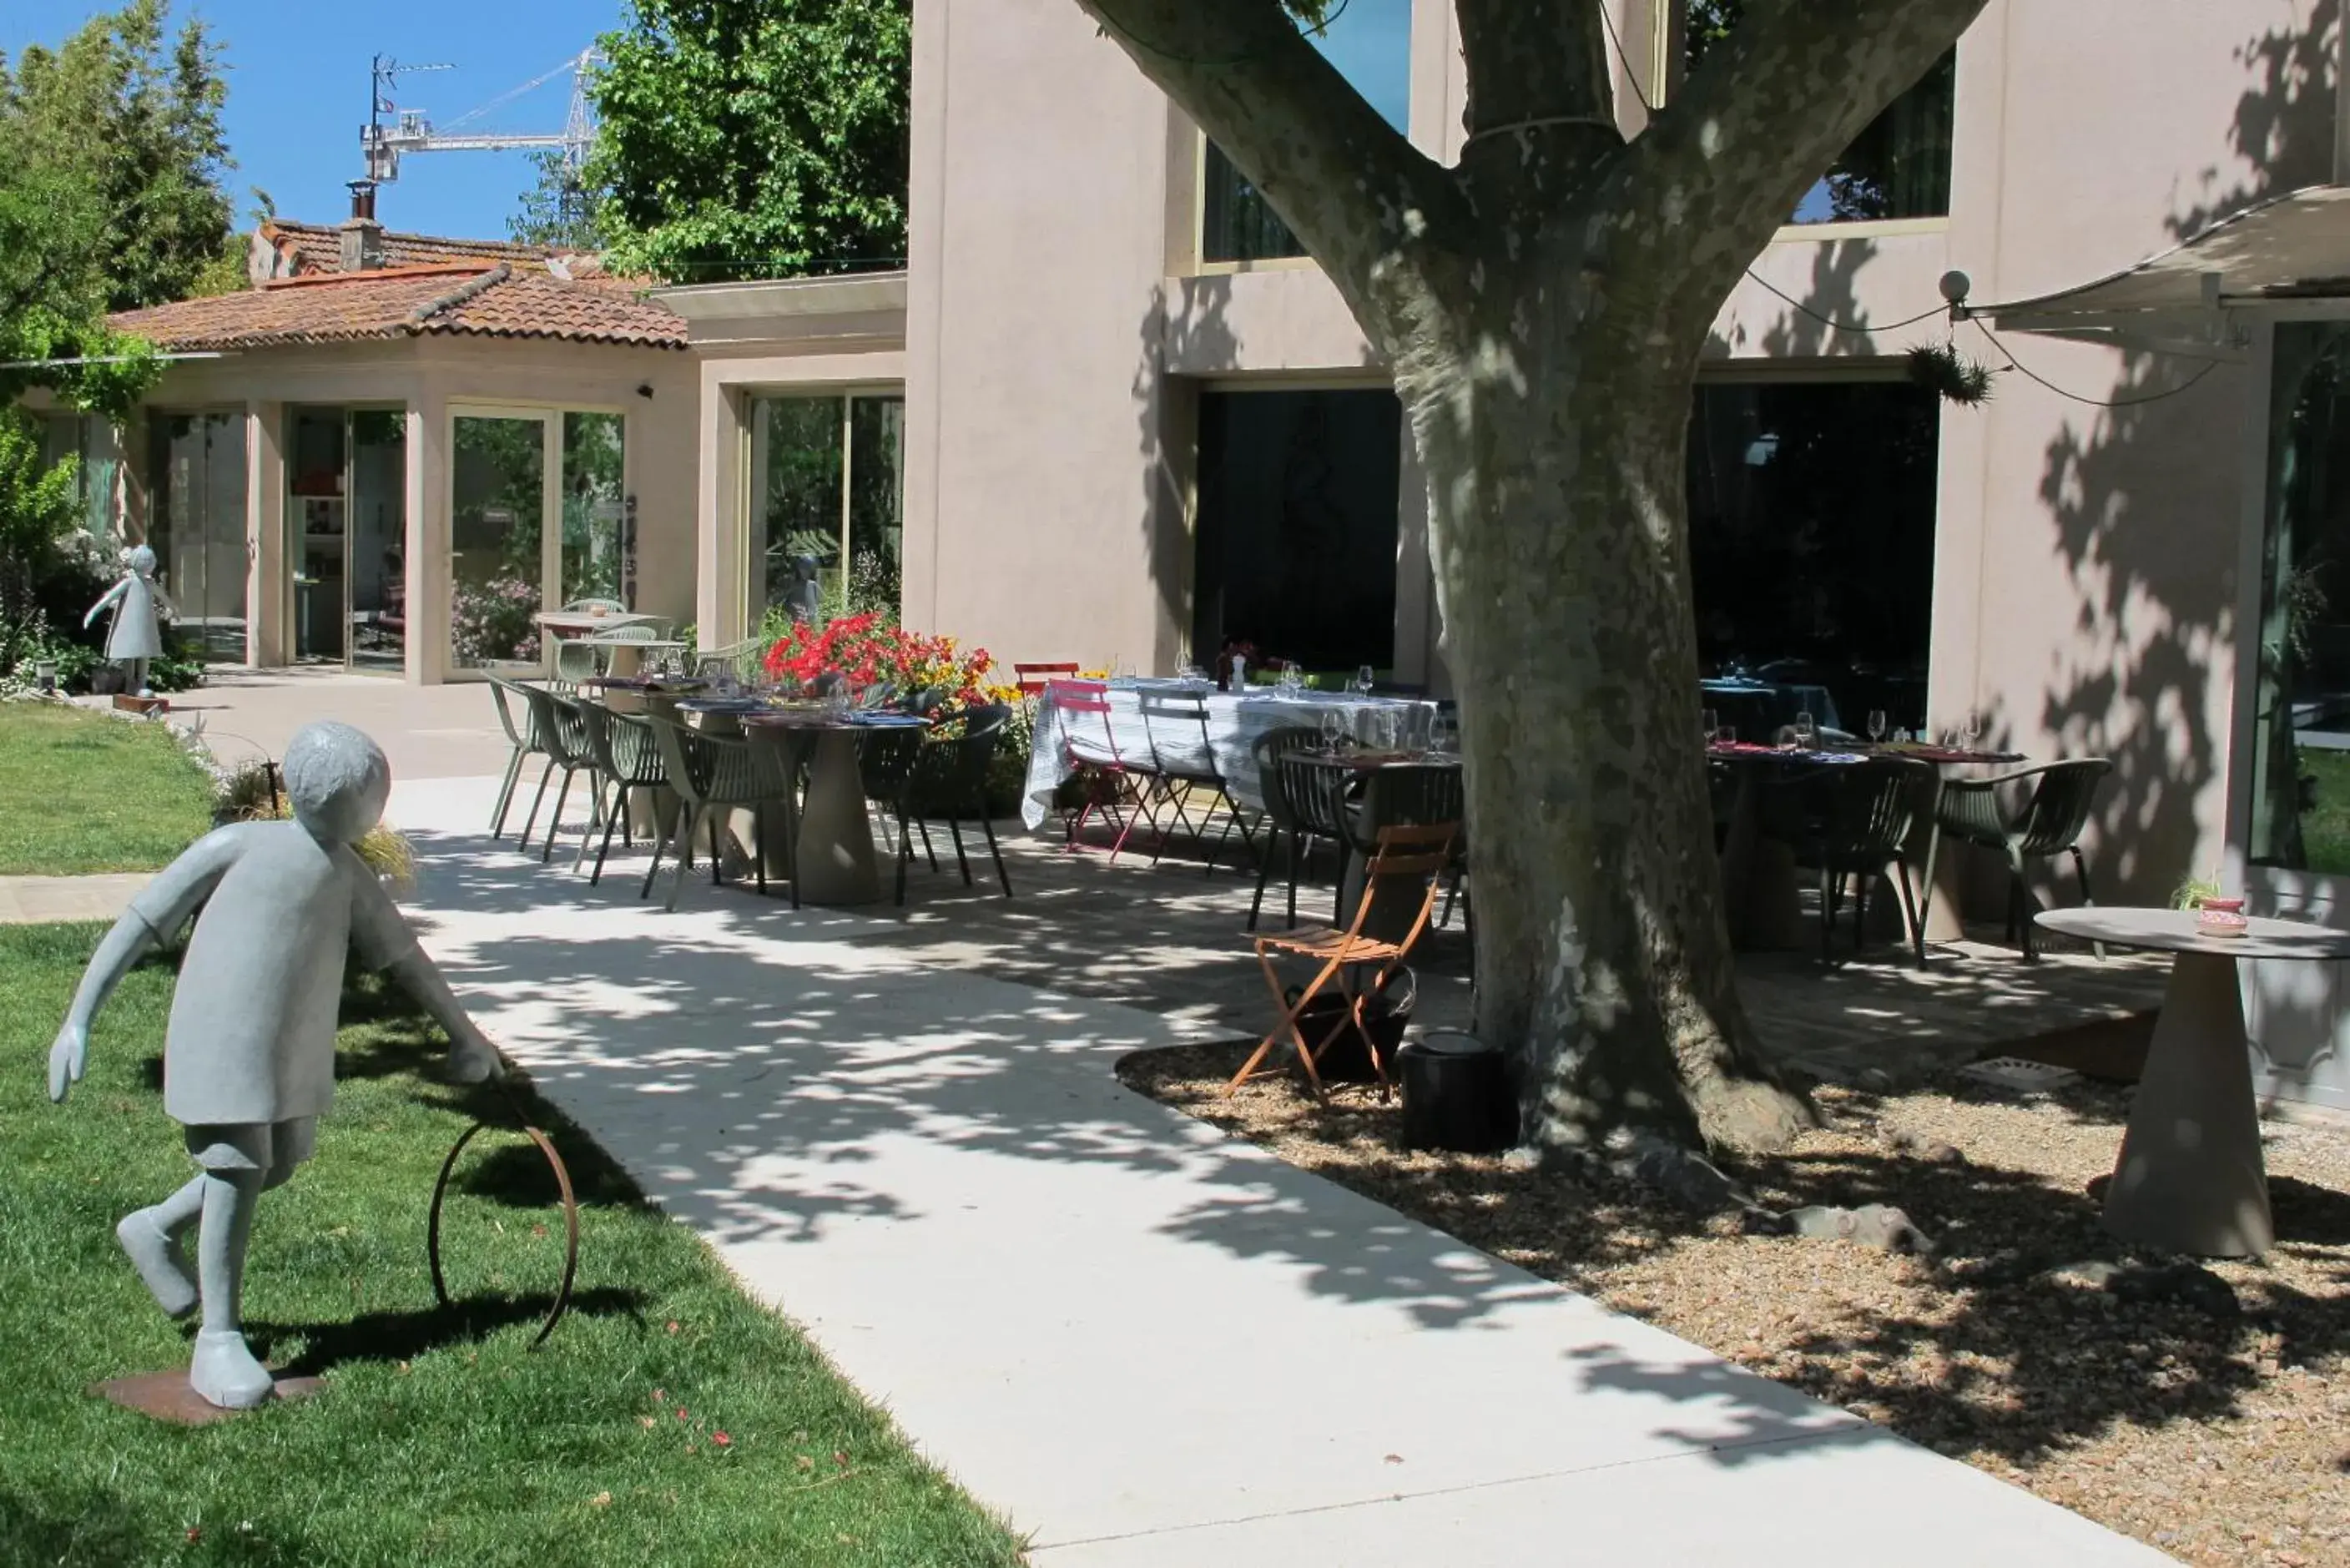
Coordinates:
361	234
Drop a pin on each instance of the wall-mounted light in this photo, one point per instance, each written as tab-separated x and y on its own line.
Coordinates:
644	389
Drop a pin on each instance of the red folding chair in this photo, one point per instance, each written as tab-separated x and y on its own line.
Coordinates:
1403	852
1111	784
1032	679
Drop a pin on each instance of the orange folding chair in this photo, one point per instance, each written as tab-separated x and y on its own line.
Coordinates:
1402	852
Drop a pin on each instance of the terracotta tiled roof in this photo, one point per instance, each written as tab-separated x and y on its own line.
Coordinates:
407	302
309	248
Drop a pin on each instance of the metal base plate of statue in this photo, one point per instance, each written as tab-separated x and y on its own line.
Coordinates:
249	1052
167	1396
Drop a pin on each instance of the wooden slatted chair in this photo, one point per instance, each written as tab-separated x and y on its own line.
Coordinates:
1403	853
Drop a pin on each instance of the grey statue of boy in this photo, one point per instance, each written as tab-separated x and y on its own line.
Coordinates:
249	1056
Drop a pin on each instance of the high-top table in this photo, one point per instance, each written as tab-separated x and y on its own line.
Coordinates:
2190	1178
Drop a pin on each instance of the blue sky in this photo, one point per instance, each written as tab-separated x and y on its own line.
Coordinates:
298	83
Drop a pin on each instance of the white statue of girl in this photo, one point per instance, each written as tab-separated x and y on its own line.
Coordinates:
134	639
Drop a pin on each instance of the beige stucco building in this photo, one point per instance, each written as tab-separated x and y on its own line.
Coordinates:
391	450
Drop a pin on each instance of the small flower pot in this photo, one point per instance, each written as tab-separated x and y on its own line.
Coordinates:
2220	918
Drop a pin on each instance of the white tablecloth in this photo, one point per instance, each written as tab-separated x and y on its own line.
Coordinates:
1155	739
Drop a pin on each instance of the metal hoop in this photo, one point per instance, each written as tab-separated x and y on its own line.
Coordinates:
570	1225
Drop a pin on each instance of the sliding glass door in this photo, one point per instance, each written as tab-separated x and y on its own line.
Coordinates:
537	520
827	481
195	525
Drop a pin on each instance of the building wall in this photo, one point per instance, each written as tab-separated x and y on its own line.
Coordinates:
428	377
2084	572
2084	583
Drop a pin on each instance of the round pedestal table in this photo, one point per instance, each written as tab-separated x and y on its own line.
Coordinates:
2190	1178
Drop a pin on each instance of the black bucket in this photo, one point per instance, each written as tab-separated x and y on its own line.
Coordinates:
1456	1095
1347	1058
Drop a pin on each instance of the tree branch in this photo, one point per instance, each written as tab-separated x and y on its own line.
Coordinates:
1352	187
1770	108
1536	60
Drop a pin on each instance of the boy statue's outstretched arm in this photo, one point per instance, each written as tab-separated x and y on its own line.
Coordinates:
472	1057
162	906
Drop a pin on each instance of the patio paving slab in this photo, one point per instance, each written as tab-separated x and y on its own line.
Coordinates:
1145	1342
30	900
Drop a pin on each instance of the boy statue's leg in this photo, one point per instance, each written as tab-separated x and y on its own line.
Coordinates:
225	1370
152	1238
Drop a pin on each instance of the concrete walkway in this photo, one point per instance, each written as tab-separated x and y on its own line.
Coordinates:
30	900
1146	1343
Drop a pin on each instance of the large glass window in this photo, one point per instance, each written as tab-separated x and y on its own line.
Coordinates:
497	522
2300	712
196	526
1810	515
1296	536
1898	168
1369	42
828	480
594	508
86	439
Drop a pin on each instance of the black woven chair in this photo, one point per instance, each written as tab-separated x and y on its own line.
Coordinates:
950	783
1282	824
1864	816
2050	822
885	761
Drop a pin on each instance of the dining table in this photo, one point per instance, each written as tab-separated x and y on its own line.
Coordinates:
1758	886
2189	1176
828	830
1234	721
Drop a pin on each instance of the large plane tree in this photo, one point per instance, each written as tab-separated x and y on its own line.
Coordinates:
1543	304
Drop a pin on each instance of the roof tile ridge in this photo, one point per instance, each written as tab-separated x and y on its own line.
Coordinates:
471	288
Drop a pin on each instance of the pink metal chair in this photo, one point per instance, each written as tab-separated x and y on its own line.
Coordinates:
1114	786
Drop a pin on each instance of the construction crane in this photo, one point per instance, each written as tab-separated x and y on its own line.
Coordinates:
410	131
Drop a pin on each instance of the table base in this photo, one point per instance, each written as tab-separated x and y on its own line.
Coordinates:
835	837
2190	1178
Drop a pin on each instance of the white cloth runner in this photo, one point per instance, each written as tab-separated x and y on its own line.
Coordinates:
1159	739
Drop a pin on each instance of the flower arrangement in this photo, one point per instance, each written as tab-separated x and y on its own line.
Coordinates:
866	651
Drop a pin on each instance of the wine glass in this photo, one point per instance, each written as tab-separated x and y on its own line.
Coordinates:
1292	680
1365	679
1444	733
1711	723
1333	728
1972	730
1191	675
1807	733
1877	725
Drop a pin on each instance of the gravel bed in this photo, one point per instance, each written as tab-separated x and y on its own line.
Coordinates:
2217	1431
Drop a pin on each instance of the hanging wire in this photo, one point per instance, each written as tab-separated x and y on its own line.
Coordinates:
1631	77
2029	374
1859	329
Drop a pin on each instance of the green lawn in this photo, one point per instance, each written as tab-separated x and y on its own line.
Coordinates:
87	792
441	1437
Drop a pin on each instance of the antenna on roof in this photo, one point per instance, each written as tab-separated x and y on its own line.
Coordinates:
413	132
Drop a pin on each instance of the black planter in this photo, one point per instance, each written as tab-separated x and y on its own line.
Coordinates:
1347	1058
1456	1095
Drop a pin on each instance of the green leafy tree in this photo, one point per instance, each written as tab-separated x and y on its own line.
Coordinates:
560	209
1543	302
134	114
753	138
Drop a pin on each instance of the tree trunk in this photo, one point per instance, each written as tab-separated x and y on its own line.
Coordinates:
1558	535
